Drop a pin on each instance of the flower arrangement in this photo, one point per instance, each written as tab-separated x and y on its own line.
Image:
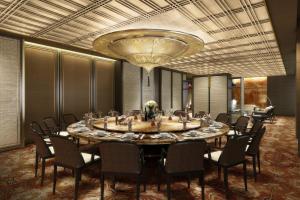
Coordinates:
150	105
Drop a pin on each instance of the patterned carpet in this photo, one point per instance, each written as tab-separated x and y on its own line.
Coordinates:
280	177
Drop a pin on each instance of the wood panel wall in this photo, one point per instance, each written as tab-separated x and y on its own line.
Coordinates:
59	82
148	91
281	91
105	86
40	85
76	83
10	88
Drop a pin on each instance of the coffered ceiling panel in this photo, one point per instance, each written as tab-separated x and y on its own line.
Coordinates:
238	34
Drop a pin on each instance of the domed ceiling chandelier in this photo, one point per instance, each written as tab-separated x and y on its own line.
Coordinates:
148	48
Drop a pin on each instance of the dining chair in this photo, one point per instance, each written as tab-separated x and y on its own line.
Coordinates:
121	159
233	154
53	127
257	125
43	151
135	112
69	118
225	119
178	113
184	159
113	113
240	127
37	128
252	149
68	155
199	114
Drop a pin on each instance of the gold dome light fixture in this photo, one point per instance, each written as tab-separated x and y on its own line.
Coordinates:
148	48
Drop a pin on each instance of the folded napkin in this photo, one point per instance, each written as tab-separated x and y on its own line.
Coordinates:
100	133
81	129
209	130
162	135
129	136
216	125
190	134
76	125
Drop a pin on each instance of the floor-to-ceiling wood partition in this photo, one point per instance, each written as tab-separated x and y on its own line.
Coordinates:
104	86
59	82
40	85
76	83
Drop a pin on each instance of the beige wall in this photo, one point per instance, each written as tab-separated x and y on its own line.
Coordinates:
177	91
200	94
210	94
10	71
166	90
131	87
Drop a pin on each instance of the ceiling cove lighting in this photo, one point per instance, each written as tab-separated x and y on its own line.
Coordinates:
148	48
67	51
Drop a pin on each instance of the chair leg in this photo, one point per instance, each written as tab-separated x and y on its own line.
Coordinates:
36	164
258	161
245	175
189	181
158	179
226	182
54	178
138	185
219	172
102	186
43	171
201	180
254	167
169	187
114	183
144	184
77	179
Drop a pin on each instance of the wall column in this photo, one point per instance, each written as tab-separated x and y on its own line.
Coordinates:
298	91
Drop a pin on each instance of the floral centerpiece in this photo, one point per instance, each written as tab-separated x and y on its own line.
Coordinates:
150	106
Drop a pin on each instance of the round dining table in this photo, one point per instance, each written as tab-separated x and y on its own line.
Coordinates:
146	132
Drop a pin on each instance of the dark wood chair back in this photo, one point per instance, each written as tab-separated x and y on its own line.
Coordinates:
113	113
223	117
255	142
184	157
66	152
69	119
51	124
234	151
241	124
41	146
199	114
120	158
37	128
135	112
179	113
257	125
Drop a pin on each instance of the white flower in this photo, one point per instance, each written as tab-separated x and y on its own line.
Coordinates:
151	104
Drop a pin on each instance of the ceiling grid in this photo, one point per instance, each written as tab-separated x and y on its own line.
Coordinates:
238	34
